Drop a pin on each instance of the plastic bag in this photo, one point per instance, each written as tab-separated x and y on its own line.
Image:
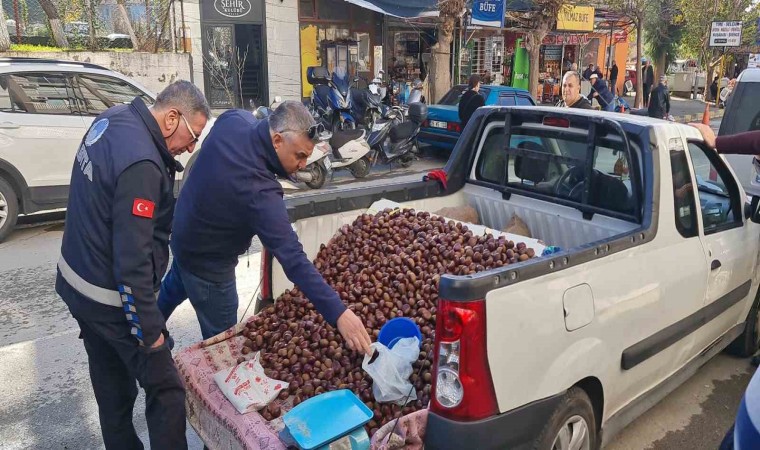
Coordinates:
246	386
391	370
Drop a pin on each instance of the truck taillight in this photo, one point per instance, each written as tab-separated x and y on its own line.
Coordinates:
462	388
266	275
456	127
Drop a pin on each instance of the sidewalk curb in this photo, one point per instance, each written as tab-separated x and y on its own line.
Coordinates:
698	117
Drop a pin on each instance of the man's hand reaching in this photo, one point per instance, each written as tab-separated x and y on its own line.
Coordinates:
353	332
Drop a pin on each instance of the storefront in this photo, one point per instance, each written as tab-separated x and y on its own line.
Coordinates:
336	34
408	48
234	62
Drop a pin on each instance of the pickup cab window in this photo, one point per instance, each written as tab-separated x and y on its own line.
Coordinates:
683	195
719	197
553	163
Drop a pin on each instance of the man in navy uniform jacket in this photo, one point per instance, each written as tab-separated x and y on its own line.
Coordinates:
115	251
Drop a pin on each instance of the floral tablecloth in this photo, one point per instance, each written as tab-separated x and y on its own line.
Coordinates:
221	427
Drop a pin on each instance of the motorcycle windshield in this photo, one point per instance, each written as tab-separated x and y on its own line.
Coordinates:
340	80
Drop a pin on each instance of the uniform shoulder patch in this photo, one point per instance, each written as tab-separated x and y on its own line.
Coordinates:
96	132
143	208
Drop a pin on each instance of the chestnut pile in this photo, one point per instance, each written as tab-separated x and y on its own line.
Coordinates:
383	266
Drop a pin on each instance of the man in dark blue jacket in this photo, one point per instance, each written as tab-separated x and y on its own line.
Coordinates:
602	93
233	195
114	253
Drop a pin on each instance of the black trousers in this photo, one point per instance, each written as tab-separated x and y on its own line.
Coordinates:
117	362
647	90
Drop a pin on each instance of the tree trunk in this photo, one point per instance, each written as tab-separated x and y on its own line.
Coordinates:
121	4
440	63
533	44
59	36
5	39
639	99
659	69
91	16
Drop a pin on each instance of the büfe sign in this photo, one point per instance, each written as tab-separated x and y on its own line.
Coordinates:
576	18
726	34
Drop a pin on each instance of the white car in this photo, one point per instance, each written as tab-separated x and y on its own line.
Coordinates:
46	106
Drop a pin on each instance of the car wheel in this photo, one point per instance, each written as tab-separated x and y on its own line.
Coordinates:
747	343
8	209
572	426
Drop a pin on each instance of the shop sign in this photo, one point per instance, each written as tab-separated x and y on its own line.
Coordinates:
726	34
576	18
553	53
488	13
232	8
754	61
565	39
620	36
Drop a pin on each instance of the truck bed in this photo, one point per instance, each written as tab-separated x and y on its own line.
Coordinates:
551	223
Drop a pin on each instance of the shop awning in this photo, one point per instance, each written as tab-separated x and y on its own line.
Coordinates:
405	9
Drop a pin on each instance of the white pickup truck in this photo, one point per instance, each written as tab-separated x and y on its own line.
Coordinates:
657	273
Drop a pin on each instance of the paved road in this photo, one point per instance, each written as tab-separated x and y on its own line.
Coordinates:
48	402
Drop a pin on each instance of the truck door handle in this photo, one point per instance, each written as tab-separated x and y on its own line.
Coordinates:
9	125
715	265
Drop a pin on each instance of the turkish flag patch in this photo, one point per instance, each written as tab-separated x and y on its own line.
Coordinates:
143	208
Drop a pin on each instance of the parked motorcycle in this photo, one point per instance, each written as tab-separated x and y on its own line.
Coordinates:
349	150
366	105
330	99
394	140
318	167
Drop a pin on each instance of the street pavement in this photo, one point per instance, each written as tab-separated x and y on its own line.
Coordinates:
48	401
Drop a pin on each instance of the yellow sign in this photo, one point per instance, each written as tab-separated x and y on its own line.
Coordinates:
576	18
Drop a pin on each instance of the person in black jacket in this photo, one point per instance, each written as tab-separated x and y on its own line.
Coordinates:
613	77
114	253
648	71
233	195
471	100
571	92
587	73
659	102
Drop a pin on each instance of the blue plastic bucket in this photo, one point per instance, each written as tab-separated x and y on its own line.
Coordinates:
398	328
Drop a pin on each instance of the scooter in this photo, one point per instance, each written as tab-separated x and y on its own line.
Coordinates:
349	150
395	140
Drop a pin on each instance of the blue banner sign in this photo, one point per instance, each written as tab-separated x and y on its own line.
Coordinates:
488	13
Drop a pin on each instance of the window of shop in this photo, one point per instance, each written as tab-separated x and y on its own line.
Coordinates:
409	54
307	9
484	54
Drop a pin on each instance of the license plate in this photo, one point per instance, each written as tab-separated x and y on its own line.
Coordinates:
378	126
328	163
437	124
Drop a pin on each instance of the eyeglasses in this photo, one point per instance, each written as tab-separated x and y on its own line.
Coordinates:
192	133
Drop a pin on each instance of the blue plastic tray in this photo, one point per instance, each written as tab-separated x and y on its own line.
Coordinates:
326	417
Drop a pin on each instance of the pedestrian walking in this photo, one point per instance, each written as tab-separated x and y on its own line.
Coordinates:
587	73
659	102
471	100
232	196
114	253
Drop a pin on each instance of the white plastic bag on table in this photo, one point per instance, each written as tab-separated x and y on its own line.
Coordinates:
391	370
246	386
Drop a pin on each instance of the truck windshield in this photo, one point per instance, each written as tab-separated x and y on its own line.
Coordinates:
555	163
